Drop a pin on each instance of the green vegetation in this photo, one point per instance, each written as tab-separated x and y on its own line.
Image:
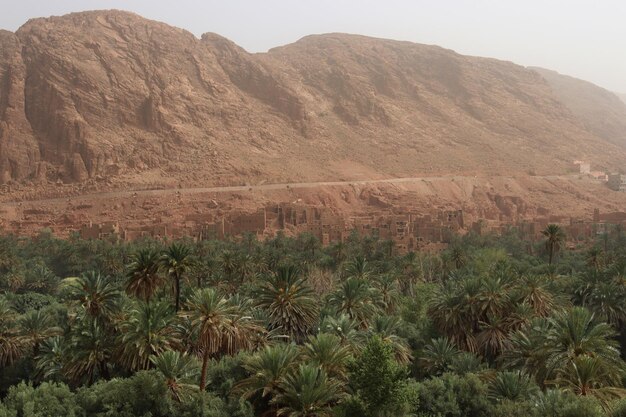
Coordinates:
491	327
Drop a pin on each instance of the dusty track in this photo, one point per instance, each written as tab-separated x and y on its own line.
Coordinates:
261	187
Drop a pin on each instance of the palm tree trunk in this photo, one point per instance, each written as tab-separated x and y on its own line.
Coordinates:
550	255
205	363
104	371
177	292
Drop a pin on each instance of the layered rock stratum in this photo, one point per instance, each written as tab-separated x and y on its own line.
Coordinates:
112	95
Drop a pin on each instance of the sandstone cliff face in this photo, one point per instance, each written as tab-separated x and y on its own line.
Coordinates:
19	152
110	94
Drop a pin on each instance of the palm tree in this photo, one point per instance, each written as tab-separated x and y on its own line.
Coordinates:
96	294
143	274
35	327
493	338
358	268
355	298
512	386
438	356
493	299
453	314
147	331
326	351
467	363
307	392
228	263
289	302
458	257
534	291
387	328
388	292
589	376
594	258
267	368
10	343
308	244
89	353
51	358
210	317
554	239
243	332
180	372
575	333
528	350
343	327
41	279
176	261
246	268
604	296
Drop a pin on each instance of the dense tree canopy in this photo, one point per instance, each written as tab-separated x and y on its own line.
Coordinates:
492	326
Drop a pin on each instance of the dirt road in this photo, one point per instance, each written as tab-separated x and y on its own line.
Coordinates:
261	187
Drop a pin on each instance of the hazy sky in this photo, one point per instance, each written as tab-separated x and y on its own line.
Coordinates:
586	39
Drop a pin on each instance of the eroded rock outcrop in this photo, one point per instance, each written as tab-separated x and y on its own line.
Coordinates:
109	93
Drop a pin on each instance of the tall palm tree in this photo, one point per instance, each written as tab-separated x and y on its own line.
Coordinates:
98	296
51	358
144	278
210	316
357	299
289	302
180	372
89	353
307	392
10	344
326	351
452	311
147	331
176	261
244	331
35	327
554	239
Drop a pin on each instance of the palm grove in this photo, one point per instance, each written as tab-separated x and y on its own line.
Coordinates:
493	326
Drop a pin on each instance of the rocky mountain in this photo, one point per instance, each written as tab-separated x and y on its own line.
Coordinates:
601	111
109	94
622	97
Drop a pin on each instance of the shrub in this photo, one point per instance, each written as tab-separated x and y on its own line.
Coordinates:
452	395
47	400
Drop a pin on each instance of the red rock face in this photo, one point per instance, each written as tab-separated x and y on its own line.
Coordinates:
19	152
110	94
